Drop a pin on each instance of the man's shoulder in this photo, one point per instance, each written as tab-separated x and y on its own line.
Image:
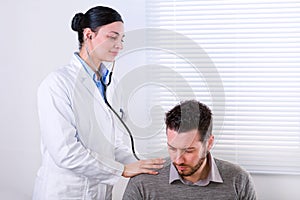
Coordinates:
229	169
163	174
146	186
226	164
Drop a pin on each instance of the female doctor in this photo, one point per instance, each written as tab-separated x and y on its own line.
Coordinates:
83	155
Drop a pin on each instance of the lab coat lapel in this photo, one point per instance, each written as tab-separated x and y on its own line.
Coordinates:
98	124
84	79
90	85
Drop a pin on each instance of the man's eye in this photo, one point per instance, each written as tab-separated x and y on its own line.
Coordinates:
188	151
172	149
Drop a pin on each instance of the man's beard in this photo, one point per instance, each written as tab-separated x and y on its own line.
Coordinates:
193	169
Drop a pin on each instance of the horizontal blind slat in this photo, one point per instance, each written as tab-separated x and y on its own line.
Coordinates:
255	47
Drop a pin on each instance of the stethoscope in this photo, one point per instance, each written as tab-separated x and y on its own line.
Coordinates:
105	85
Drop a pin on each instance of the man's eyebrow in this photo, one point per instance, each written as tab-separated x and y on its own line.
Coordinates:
184	149
171	146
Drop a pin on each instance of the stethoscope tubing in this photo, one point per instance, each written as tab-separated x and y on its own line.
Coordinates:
105	85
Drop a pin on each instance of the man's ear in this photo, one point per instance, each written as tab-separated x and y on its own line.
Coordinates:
210	142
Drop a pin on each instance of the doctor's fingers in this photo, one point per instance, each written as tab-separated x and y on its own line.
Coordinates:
142	166
151	163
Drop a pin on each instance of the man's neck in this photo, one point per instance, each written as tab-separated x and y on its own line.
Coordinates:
201	173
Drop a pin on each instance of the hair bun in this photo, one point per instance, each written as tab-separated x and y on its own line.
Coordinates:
76	22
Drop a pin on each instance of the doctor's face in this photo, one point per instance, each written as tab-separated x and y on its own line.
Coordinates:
186	151
107	42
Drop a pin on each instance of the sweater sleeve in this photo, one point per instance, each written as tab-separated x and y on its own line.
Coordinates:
248	190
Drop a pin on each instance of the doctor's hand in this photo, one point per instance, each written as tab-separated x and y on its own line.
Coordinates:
143	166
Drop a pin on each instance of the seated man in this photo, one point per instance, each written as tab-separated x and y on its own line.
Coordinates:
193	172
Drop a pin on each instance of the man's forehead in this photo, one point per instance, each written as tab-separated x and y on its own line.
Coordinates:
182	140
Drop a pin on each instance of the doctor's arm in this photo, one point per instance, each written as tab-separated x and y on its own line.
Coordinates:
60	138
132	166
123	153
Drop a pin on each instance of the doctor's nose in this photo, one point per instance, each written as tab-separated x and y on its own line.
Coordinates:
119	45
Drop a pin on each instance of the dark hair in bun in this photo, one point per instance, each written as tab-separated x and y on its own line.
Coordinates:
94	18
76	22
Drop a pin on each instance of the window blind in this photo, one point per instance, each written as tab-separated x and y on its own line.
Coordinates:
242	59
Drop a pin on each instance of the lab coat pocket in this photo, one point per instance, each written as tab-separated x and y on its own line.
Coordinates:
65	186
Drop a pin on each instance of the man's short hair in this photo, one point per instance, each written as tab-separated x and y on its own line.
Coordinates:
189	115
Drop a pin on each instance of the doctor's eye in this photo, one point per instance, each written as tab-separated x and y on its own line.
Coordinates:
115	38
112	37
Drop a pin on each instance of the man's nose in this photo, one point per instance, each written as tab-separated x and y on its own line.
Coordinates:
179	157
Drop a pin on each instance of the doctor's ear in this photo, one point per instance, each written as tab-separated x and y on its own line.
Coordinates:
88	37
87	32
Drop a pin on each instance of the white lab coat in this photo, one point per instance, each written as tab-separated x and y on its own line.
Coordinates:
82	147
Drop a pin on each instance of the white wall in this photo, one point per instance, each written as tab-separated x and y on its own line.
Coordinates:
277	187
35	39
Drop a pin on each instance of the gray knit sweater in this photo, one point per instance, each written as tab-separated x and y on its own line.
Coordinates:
237	185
